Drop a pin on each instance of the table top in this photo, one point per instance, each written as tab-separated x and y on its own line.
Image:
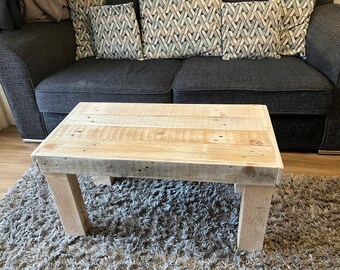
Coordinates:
137	139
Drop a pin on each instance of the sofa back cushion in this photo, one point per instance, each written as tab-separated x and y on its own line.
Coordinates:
180	28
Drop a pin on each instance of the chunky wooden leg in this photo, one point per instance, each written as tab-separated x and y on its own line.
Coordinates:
254	212
71	208
103	180
238	188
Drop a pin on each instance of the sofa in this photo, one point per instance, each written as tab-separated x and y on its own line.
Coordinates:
43	81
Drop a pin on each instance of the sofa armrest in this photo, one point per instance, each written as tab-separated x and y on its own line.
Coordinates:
27	56
323	53
323	42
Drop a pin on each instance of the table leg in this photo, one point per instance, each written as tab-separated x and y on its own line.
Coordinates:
255	204
103	180
238	188
69	201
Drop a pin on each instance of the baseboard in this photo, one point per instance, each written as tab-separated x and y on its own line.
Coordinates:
32	141
329	152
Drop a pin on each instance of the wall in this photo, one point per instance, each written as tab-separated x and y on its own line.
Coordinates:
337	1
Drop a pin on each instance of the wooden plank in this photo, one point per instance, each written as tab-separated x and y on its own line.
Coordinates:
160	151
69	201
205	110
103	180
275	146
188	122
52	133
160	170
118	133
238	188
254	210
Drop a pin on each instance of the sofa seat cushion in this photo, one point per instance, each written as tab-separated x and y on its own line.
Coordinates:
104	80
287	85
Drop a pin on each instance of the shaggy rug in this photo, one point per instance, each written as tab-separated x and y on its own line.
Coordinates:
154	224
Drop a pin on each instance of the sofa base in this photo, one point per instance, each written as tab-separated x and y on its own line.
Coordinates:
329	152
32	141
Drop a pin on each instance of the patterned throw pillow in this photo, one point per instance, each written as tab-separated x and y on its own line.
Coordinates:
116	32
79	10
180	28
295	16
250	30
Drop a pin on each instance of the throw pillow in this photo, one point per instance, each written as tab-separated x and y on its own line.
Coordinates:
180	28
79	10
250	30
120	2
116	32
295	16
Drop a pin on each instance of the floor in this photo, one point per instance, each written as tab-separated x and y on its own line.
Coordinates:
15	158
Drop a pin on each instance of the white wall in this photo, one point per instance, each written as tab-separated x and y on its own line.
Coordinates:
337	1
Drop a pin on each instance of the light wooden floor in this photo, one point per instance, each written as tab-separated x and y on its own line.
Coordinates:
15	159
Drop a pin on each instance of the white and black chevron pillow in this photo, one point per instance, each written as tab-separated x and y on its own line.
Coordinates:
295	16
116	32
79	10
180	28
250	30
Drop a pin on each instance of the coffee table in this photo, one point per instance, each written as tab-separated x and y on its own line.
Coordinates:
210	143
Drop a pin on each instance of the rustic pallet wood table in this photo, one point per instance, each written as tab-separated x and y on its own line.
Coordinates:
210	143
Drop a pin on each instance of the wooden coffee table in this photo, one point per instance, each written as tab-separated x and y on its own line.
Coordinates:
209	143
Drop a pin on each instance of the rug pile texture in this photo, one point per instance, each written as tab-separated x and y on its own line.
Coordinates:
156	224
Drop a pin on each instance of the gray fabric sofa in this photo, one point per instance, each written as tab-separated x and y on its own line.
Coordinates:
43	82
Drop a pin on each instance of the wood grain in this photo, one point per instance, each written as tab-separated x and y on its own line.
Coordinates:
103	180
205	110
69	201
160	121
238	188
223	142
254	210
160	170
276	149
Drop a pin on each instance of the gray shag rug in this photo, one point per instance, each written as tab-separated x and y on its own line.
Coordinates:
154	224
